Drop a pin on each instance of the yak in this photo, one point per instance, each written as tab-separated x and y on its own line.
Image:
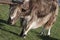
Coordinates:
35	14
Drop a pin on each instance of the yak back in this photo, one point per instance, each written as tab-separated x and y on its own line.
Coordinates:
42	7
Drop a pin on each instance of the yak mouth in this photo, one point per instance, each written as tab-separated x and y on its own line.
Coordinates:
10	21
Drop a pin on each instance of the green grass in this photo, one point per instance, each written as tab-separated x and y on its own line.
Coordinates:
8	32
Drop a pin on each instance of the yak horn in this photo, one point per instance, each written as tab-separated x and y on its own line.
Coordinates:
3	2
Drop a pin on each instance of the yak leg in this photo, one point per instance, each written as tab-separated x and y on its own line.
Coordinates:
35	23
23	24
50	22
26	29
48	25
52	19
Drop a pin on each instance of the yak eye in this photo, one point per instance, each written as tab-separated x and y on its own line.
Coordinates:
23	10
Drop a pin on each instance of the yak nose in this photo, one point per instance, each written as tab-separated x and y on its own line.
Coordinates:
10	21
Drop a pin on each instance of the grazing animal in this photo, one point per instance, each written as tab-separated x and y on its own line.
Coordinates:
37	13
13	15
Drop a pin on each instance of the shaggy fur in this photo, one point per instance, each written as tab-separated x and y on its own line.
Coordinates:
37	13
42	13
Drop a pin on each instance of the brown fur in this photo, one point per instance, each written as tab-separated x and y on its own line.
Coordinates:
43	10
39	9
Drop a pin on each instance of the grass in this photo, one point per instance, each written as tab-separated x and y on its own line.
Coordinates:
8	32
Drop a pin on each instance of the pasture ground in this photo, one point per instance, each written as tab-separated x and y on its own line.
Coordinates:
8	32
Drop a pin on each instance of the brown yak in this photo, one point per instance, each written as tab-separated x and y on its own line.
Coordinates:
36	13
